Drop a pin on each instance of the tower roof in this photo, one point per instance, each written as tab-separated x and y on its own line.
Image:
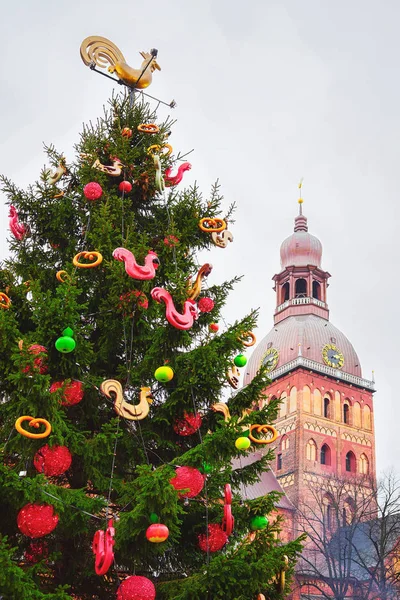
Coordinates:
301	248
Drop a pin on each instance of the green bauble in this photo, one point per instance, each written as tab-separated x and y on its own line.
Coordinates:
153	518
240	360
258	522
206	468
65	343
243	443
164	374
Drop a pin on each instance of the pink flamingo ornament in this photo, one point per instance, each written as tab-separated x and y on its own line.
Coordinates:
102	547
147	271
17	229
174	180
178	320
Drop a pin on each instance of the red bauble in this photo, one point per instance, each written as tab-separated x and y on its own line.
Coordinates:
217	538
72	393
125	186
52	461
188	478
213	327
205	305
126	132
157	533
188	424
134	297
38	363
171	241
37	520
92	191
36	551
136	588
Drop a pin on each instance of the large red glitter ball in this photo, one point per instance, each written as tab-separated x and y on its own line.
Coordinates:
52	461
38	363
136	588
92	191
217	538
36	520
188	424
205	305
36	551
72	393
125	186
188	478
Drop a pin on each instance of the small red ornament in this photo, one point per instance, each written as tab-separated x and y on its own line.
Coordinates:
205	305
37	520
126	132
188	424
92	191
190	479
72	393
171	241
217	538
36	551
102	546
136	588
157	533
125	186
130	298
52	461
228	522
38	363
213	327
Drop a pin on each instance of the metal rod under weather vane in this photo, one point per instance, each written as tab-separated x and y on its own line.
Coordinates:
100	52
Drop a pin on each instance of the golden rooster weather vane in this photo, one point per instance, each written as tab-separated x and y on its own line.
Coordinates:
98	51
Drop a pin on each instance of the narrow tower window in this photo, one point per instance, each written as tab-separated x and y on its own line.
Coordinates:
346	413
325	455
316	290
301	288
327	412
279	462
350	462
285	292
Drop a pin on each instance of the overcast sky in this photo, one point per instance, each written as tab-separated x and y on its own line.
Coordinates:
267	92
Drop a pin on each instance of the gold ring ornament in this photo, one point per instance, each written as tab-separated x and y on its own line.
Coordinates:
212	225
5	301
263	429
63	276
148	128
32	423
96	257
165	149
248	339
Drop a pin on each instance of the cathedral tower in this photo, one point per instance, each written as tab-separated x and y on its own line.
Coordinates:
325	422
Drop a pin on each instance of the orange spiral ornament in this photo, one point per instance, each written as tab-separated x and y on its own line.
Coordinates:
32	423
248	339
148	128
165	149
63	276
96	257
5	301
263	429
212	225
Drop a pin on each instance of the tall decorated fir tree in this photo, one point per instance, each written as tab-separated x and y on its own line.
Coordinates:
118	475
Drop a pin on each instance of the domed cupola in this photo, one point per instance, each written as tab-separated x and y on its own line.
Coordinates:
301	248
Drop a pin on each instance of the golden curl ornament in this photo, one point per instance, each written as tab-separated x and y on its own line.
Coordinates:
33	422
63	276
263	429
247	338
212	225
148	128
96	257
195	290
101	52
165	149
5	301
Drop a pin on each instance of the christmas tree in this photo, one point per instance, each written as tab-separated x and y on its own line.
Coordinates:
126	484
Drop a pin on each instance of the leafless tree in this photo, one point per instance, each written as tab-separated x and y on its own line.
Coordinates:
353	545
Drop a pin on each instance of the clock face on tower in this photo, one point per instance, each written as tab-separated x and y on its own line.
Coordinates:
332	356
270	359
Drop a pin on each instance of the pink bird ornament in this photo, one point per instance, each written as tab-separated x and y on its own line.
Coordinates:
145	272
174	180
17	229
174	318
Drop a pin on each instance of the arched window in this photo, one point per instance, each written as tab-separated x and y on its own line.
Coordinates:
367	417
346	413
311	450
364	464
327	407
325	455
293	399
327	512
284	443
317	402
356	414
283	406
316	290
301	288
348	511
306	399
285	292
350	462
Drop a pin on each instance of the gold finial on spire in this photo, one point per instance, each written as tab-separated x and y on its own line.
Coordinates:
300	200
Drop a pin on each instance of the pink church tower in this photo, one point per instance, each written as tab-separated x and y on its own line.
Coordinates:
325	422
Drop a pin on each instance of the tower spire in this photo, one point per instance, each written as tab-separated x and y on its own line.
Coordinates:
300	222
